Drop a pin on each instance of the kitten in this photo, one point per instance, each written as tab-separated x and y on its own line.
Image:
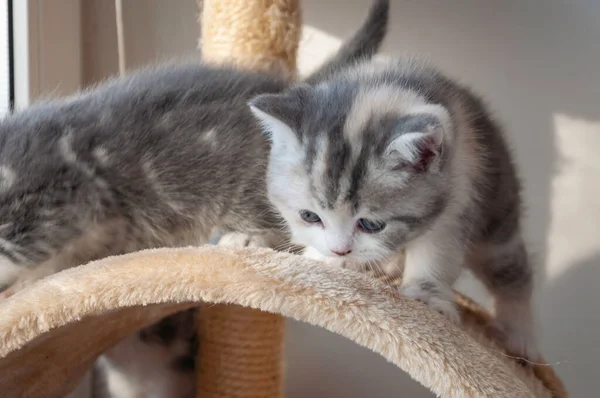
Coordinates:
163	157
394	155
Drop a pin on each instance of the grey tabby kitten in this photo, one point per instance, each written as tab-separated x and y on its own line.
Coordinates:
162	157
391	155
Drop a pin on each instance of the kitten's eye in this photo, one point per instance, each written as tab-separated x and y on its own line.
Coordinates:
309	216
370	226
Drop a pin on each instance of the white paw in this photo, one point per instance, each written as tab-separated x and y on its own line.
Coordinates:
314	254
519	340
240	240
437	298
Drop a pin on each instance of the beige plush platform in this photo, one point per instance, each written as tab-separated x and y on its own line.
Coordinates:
52	331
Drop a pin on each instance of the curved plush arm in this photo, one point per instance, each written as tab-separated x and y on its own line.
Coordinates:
53	330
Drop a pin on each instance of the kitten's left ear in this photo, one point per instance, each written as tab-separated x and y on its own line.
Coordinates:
420	138
279	116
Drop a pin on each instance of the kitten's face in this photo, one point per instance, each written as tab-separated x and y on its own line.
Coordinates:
354	175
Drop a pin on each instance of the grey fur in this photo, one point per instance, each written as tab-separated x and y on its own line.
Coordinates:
141	168
507	273
166	177
429	287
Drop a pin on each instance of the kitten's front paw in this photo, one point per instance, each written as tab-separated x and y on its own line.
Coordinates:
340	262
240	240
436	298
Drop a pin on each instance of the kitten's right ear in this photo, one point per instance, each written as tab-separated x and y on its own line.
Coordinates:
279	116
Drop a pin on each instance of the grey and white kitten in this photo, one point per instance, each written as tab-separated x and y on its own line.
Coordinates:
390	155
162	157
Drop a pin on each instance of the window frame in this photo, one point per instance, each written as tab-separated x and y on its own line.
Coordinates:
47	49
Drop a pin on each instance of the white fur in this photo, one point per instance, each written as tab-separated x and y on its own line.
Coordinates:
101	155
7	178
289	189
154	179
9	271
406	146
280	134
70	156
66	149
211	138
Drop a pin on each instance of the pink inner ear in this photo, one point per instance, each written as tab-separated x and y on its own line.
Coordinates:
428	150
424	149
425	159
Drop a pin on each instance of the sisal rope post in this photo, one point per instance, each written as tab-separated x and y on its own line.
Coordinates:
241	349
252	34
241	352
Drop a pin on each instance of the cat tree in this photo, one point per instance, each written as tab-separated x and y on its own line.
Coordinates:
52	331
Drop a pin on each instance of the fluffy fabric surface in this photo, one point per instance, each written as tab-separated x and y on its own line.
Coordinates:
52	331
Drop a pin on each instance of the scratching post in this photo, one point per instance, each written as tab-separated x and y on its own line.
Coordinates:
240	353
241	349
254	34
52	330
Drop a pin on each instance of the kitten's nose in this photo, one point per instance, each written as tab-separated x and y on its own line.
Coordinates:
341	252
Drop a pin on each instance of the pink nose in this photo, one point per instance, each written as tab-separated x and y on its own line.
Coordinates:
341	252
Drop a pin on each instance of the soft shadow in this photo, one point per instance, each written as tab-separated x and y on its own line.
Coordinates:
572	301
327	365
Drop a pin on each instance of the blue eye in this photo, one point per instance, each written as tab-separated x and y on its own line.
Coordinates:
309	216
370	226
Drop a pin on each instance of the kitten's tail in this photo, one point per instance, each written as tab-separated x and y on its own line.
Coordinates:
363	45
